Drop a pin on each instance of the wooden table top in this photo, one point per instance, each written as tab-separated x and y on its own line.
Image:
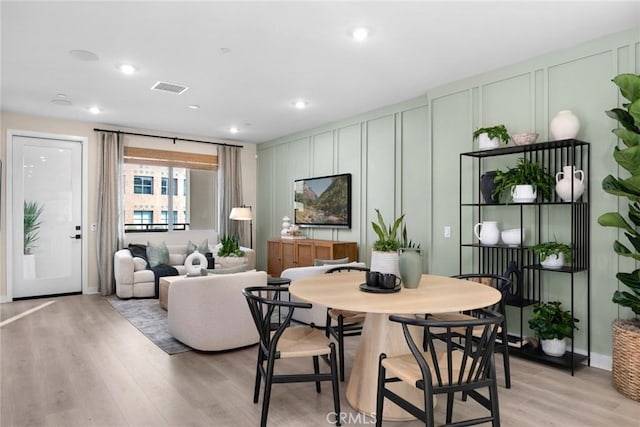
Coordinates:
435	294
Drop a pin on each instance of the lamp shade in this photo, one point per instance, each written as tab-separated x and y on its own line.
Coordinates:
241	214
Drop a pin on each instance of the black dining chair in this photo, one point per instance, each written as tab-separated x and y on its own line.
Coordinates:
503	285
445	366
287	342
349	323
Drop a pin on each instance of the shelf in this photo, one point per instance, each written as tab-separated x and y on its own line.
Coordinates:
515	301
501	246
524	204
564	269
564	143
567	361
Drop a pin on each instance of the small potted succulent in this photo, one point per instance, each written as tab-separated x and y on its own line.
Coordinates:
552	326
522	182
229	254
552	254
490	137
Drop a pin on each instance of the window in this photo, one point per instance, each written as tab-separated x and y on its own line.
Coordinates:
165	207
143	185
164	190
143	217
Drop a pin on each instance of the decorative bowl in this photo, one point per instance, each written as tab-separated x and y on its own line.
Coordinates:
512	236
524	138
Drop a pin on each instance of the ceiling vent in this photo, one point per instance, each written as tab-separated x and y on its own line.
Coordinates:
176	89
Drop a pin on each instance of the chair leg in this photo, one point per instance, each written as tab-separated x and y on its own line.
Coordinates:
449	407
268	382
380	395
505	358
256	391
428	408
495	407
341	345
327	324
334	383
316	370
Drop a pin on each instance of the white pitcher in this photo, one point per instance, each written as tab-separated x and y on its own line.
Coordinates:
487	232
563	186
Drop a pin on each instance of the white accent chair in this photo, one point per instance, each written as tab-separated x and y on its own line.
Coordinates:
209	313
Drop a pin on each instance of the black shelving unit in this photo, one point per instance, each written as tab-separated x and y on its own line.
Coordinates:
522	264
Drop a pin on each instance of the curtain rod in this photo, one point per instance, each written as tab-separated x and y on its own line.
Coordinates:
173	138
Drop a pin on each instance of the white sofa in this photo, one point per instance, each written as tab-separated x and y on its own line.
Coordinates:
136	282
318	313
210	313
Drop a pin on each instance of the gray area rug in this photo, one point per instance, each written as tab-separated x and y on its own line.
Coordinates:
151	320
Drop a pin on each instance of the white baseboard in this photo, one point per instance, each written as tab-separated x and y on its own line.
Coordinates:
601	361
4	298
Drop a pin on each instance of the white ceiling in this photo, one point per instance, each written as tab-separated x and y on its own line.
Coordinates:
279	51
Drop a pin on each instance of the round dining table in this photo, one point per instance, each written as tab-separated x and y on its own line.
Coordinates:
435	294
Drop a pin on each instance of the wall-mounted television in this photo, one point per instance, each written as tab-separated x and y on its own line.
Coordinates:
324	201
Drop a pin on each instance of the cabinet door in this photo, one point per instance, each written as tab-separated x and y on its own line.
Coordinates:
274	258
288	254
304	253
324	250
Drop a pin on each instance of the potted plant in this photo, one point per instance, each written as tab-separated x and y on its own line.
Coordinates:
552	254
522	182
409	261
229	254
553	326
384	257
490	137
626	333
32	212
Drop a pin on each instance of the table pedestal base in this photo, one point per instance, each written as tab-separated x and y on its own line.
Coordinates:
379	335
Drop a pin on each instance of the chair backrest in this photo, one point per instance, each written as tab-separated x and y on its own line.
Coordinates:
501	283
346	268
262	301
448	364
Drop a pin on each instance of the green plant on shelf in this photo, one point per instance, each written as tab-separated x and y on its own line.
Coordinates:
552	248
524	173
550	321
498	131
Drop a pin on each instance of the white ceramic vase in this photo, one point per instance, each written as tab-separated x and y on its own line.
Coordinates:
487	232
553	261
554	347
385	262
523	193
486	143
568	182
564	125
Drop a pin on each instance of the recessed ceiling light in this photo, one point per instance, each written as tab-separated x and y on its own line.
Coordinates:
94	110
301	104
234	129
360	33
127	69
194	107
83	55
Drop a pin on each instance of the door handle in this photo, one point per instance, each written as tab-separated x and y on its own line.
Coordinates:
75	236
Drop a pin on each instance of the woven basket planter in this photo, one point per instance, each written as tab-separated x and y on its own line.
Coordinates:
626	358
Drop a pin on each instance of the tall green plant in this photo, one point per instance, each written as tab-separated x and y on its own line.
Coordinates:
32	212
629	187
387	235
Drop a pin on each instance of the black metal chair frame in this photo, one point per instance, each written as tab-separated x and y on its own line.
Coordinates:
262	309
478	370
503	285
341	330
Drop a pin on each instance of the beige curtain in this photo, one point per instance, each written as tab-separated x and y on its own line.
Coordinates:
230	192
110	229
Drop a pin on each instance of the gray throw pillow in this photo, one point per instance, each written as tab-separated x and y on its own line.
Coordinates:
157	254
318	262
203	248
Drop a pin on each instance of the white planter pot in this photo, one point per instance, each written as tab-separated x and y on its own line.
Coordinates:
523	193
553	261
554	347
230	261
486	143
385	262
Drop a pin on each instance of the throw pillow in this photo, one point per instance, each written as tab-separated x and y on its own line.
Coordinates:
139	263
237	269
138	250
157	254
203	247
318	262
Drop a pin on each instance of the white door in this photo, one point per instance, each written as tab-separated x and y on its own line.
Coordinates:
46	215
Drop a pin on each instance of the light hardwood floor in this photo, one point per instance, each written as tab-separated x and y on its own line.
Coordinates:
77	362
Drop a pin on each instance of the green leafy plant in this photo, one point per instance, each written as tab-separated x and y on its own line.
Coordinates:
499	131
387	235
406	242
525	172
552	248
230	247
32	212
550	321
629	159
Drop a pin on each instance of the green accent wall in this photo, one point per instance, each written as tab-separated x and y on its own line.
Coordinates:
404	158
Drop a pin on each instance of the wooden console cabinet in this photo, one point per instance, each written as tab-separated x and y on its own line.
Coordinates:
287	253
